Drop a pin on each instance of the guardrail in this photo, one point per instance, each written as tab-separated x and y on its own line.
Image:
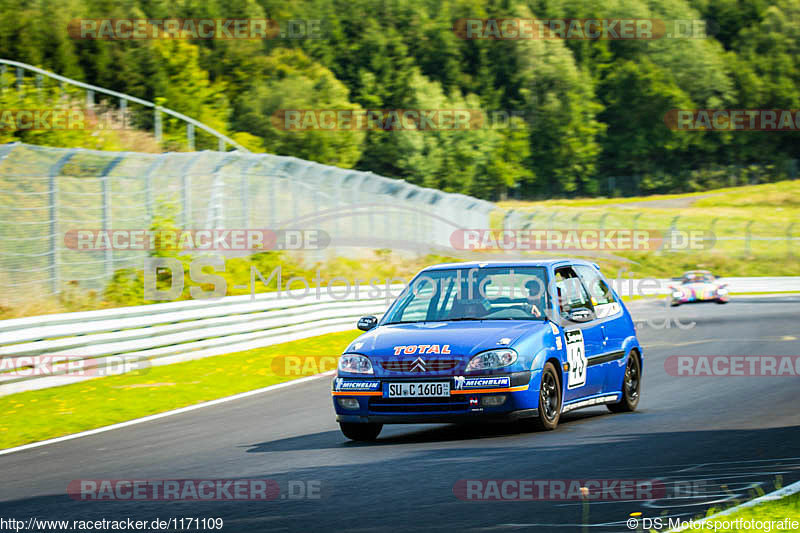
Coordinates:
181	331
177	331
191	123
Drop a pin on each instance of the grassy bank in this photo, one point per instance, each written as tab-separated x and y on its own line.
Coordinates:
787	508
43	414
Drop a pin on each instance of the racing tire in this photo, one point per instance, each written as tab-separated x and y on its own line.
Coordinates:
549	409
631	387
360	432
721	301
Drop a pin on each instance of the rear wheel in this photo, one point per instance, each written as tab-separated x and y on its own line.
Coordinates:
631	387
360	432
549	400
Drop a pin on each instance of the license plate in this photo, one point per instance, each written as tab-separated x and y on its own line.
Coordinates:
436	389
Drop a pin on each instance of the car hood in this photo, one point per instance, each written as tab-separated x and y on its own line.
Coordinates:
463	339
700	286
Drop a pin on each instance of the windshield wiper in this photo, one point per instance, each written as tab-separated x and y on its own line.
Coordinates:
403	322
514	318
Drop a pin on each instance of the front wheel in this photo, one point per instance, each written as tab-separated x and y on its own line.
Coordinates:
631	387
549	400
360	432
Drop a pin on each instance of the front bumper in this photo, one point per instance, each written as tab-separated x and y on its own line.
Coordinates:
700	296
462	405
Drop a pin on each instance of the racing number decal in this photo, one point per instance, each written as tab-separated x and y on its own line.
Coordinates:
576	356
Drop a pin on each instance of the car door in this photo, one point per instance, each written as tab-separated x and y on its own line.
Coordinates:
583	339
614	326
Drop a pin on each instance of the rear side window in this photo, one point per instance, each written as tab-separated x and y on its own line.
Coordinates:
600	293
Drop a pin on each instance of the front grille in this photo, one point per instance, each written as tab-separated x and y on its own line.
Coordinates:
417	405
413	365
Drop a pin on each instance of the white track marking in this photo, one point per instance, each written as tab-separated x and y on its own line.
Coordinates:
772	496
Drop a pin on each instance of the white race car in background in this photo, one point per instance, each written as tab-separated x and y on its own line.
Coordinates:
698	286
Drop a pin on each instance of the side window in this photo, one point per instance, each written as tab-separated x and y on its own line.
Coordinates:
571	293
599	291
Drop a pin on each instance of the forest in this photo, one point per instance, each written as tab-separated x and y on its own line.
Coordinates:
583	117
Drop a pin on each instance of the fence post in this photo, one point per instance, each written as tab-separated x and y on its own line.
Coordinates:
747	236
20	75
186	199
550	220
245	193
157	126
89	99
190	136
3	70
530	220
123	112
575	220
55	171
506	219
148	198
109	252
603	221
636	221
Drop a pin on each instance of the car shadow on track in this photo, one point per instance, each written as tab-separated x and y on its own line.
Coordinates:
418	434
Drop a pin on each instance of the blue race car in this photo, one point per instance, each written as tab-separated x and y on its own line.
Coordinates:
501	340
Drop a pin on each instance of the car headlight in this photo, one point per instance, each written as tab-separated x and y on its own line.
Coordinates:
355	364
677	294
722	290
492	359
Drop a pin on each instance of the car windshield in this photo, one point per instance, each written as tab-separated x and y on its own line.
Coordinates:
490	293
698	277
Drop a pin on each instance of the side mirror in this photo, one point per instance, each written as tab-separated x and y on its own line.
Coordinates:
366	323
581	314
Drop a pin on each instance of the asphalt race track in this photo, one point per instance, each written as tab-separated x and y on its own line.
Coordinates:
719	436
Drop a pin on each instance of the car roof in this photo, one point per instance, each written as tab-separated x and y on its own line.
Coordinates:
518	263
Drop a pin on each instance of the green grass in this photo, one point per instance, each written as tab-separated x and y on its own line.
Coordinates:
779	510
38	415
762	210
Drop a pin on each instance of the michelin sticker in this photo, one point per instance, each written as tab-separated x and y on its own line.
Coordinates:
342	385
576	356
462	382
